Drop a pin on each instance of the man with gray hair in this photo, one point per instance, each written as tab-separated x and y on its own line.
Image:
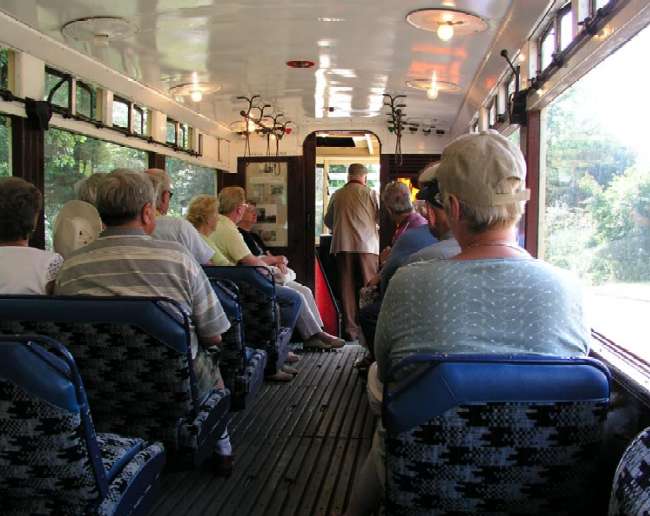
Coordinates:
353	215
147	267
175	229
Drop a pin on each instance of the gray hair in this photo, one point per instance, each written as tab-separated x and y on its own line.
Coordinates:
121	196
396	197
230	198
357	170
86	189
161	183
484	218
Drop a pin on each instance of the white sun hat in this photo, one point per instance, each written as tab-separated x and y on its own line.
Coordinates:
77	224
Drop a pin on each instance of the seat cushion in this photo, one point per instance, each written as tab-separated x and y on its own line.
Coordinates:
117	451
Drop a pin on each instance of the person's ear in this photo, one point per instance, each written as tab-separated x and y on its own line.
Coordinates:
148	214
454	210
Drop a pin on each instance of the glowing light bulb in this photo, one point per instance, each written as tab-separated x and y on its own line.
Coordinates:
196	95
445	31
432	91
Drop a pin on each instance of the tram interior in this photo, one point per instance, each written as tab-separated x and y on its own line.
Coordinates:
241	120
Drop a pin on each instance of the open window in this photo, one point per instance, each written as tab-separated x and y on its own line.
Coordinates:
121	113
596	192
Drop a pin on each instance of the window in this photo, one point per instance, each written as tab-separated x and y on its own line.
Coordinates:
140	120
188	180
547	48
171	132
69	157
184	136
85	100
492	113
61	97
319	226
475	127
5	146
566	27
596	219
4	69
121	109
337	176
600	3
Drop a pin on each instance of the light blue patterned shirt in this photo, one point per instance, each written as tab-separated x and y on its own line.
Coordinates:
507	305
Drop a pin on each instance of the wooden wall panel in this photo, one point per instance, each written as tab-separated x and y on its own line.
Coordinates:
531	217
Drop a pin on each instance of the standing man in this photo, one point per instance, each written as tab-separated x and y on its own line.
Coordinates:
352	215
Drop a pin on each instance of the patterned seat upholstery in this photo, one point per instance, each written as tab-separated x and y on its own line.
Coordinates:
51	460
631	489
243	373
261	313
134	354
492	434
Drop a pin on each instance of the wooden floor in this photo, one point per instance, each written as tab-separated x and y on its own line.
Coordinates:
297	448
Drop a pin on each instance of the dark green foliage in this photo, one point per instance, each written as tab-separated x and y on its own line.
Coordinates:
5	143
187	181
70	157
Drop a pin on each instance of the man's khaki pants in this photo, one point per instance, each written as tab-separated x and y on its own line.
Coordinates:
354	268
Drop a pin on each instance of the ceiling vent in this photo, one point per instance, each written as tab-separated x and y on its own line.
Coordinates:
99	30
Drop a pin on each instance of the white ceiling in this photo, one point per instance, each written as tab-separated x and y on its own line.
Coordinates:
243	46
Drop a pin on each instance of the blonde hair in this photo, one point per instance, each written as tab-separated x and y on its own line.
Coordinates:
230	198
200	208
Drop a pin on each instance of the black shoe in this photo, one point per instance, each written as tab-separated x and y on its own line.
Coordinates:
222	465
362	364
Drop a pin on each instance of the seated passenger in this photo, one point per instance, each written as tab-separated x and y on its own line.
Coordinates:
77	224
175	229
232	206
491	298
396	199
147	267
86	189
408	248
203	214
259	249
24	270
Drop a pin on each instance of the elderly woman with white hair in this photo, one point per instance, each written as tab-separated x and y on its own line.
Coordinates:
493	297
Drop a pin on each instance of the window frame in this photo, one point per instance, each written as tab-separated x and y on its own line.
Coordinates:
561	13
142	111
93	100
540	46
121	100
176	131
63	79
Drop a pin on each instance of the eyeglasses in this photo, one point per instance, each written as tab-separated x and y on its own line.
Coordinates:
438	199
171	194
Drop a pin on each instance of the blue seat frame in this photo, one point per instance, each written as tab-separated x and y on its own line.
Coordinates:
261	315
498	434
242	368
135	354
44	374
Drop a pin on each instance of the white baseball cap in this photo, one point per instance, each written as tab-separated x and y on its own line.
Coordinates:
77	224
477	167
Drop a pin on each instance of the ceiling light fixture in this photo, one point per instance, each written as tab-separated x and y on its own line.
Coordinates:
440	86
325	19
99	30
432	91
194	90
446	22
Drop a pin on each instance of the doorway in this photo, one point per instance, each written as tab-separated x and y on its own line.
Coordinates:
327	156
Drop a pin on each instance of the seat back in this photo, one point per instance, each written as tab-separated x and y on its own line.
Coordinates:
134	354
631	489
259	305
232	360
49	457
492	434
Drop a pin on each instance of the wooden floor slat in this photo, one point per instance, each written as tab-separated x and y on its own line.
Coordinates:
298	448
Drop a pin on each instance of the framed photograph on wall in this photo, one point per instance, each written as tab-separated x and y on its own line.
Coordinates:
266	188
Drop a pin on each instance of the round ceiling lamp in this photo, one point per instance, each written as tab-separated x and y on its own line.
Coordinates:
446	22
433	89
99	30
300	63
194	90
